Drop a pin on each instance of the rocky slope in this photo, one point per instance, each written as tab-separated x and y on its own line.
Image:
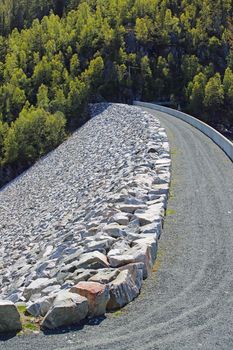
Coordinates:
85	220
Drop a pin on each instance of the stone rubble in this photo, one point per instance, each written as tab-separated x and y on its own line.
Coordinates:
79	230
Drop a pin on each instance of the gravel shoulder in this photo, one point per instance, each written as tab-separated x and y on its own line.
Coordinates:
187	301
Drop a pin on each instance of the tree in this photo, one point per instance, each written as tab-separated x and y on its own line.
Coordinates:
228	92
12	100
146	74
74	66
196	93
33	134
3	132
93	75
214	96
42	97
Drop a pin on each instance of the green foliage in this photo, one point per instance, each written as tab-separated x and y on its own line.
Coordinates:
12	99
214	94
3	133
34	133
196	91
42	97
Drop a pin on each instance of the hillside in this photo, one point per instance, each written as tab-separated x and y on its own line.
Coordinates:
153	50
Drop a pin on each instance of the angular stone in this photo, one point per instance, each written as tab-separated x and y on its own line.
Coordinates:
120	260
136	270
153	213
41	306
16	296
155	228
122	290
51	289
9	317
93	260
130	208
37	286
114	230
73	257
121	219
163	162
145	250
144	180
81	275
97	295
68	309
160	189
100	246
105	276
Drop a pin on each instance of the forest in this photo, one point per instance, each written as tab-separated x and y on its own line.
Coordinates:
56	56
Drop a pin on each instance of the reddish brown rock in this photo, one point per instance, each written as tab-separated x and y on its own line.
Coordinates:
97	295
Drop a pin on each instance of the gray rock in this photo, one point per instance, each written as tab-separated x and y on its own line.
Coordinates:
101	246
41	306
130	208
160	189
37	286
93	260
154	228
122	290
68	309
81	275
114	230
120	260
151	214
121	219
73	257
105	276
145	251
51	289
9	317
136	270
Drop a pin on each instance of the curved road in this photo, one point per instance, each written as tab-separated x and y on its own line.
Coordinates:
187	303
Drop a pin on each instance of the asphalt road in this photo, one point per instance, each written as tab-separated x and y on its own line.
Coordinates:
187	303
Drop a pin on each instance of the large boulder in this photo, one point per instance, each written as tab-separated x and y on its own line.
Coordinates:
97	295
122	290
9	317
68	309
